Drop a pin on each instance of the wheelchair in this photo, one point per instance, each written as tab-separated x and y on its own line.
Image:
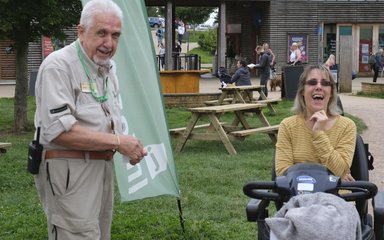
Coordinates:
282	188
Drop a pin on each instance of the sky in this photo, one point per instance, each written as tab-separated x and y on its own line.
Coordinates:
211	19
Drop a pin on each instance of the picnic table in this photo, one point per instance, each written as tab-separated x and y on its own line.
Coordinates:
4	146
243	94
216	130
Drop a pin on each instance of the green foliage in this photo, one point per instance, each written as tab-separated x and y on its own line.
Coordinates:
208	41
28	20
372	95
194	15
211	183
152	11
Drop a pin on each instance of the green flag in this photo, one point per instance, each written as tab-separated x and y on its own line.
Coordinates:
143	110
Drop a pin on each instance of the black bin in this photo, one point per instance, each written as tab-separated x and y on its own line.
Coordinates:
193	61
176	61
290	81
32	83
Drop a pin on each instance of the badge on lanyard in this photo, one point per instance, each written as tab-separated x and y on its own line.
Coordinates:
86	87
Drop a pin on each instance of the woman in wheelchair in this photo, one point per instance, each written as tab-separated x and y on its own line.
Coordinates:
317	132
316	140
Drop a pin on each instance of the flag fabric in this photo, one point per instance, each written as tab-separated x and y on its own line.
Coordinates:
143	110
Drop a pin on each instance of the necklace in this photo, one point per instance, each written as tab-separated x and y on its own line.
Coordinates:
100	99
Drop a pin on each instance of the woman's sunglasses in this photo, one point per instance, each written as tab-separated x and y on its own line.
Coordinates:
313	82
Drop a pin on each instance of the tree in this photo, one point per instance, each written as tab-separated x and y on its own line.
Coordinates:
26	21
158	11
152	11
194	15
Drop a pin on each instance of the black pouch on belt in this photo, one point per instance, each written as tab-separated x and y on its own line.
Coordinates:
35	152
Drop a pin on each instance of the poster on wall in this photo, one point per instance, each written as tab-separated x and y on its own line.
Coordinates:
364	53
301	40
47	46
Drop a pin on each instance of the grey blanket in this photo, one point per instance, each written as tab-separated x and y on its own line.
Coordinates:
317	216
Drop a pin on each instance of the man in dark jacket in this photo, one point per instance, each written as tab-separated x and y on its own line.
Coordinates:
264	66
242	75
378	64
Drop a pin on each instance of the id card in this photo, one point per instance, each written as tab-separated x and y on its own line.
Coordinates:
86	87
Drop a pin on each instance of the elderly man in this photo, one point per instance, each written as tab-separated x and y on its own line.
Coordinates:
78	111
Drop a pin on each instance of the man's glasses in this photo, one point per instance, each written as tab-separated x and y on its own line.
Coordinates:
313	82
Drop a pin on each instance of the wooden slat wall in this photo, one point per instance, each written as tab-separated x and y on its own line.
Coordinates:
7	62
243	12
34	56
303	16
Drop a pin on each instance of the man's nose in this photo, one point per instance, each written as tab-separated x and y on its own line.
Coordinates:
108	41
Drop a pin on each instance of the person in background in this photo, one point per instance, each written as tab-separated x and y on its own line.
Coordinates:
295	57
317	132
160	35
242	76
330	61
162	55
378	64
78	110
180	31
272	55
176	55
265	67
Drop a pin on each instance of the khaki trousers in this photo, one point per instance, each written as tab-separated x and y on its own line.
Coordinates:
77	197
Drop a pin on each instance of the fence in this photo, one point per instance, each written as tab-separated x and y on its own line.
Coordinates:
181	61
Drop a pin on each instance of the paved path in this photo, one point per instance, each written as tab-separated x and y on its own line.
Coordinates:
371	111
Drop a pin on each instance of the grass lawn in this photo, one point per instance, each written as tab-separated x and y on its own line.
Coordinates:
205	56
210	181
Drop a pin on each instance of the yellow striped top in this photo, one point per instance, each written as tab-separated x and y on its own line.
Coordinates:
297	143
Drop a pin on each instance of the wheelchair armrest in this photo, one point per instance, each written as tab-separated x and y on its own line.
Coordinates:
257	210
378	212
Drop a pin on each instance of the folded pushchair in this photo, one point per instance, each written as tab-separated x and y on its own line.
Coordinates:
224	76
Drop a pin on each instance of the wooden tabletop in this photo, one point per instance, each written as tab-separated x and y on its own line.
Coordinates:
228	108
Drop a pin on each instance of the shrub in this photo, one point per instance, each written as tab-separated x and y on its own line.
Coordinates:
208	41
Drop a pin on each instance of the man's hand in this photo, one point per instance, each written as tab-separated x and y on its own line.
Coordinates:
132	148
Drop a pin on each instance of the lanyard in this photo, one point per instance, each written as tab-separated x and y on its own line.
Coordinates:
100	99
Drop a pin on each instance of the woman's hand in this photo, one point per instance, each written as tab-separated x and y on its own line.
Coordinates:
319	120
347	178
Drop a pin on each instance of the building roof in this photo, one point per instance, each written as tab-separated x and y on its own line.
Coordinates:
201	3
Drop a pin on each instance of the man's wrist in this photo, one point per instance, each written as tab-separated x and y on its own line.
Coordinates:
117	142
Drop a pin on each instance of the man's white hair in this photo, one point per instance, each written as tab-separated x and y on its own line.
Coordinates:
95	7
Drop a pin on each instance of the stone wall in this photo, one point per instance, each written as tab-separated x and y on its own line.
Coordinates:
371	87
188	99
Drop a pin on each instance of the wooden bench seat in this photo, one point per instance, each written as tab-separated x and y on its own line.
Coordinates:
4	146
246	132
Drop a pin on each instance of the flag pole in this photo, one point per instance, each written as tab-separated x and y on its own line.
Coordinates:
182	219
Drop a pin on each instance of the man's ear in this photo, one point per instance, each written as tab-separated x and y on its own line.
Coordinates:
80	29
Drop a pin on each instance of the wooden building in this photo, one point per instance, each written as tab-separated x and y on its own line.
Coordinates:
316	25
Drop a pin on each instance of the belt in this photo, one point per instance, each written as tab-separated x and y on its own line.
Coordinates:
93	155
